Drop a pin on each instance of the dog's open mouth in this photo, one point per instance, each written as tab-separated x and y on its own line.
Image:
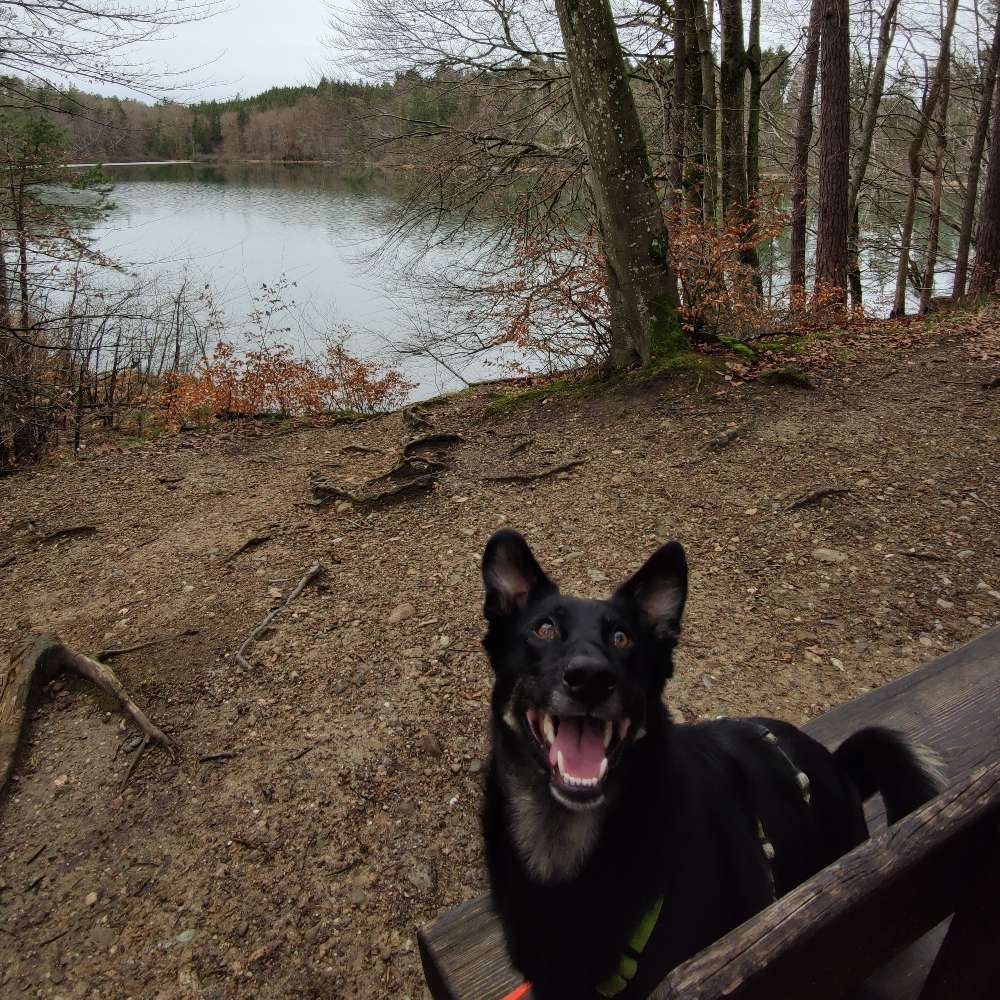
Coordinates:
580	751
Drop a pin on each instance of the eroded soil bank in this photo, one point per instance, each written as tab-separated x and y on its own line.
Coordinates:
325	804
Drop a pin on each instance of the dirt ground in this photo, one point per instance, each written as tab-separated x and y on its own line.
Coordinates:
325	804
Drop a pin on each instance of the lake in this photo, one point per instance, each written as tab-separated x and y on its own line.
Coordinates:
238	226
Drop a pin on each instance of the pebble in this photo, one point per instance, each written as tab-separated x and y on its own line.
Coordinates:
421	876
945	605
91	899
475	766
597	576
186	936
965	554
430	745
357	896
61	781
401	612
829	556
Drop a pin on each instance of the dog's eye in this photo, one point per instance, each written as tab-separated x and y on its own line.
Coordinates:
621	639
545	630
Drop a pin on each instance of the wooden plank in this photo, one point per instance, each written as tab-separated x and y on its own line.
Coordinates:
952	705
825	936
968	963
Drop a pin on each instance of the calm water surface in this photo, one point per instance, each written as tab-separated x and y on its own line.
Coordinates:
238	226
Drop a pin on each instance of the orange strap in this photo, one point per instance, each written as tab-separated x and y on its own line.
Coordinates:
518	992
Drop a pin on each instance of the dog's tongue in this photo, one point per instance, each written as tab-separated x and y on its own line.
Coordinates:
581	742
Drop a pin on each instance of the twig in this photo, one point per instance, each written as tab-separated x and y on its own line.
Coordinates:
77	531
107	654
528	477
7	560
301	753
926	556
251	543
812	499
310	575
35	855
223	755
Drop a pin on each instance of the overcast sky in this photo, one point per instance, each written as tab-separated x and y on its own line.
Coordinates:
250	46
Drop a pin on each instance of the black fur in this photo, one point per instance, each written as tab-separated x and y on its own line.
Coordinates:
573	870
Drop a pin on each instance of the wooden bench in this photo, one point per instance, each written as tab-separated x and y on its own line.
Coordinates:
875	924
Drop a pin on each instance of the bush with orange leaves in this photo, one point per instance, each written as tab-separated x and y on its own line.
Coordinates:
719	289
274	380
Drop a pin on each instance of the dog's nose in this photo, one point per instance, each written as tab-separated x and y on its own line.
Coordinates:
588	680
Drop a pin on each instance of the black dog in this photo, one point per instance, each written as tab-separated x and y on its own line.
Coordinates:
618	843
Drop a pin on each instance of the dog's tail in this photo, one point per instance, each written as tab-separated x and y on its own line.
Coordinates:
906	773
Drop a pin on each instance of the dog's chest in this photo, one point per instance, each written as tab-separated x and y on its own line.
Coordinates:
552	843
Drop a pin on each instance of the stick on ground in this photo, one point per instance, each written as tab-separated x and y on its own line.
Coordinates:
311	575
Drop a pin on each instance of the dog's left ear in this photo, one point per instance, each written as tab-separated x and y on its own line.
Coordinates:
658	590
511	575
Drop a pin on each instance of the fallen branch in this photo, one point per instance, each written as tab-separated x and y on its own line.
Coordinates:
251	543
77	531
44	656
529	477
814	498
361	449
311	575
223	755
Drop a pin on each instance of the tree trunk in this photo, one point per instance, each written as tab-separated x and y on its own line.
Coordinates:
934	218
800	167
869	119
678	107
732	86
694	121
915	161
631	219
835	145
987	266
753	111
709	121
975	162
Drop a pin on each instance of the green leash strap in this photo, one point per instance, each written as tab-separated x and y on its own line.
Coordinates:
628	964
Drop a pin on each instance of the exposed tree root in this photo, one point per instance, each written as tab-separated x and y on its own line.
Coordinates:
324	491
77	531
433	442
42	657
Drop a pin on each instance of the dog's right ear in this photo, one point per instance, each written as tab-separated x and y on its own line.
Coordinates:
511	575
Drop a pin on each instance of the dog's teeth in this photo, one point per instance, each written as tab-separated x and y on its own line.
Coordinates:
548	728
560	764
623	729
609	730
604	769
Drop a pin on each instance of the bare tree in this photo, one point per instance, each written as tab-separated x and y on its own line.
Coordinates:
803	144
834	141
869	120
633	232
987	265
915	157
975	163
